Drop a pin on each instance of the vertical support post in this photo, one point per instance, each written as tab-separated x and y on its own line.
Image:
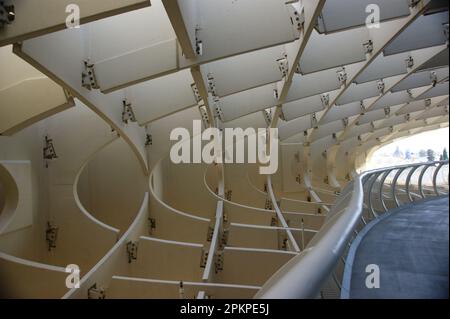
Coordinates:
408	182
381	195
435	175
394	186
422	174
370	204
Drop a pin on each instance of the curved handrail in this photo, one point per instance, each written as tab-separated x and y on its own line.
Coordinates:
170	208
76	196
31	263
257	209
96	271
305	275
254	187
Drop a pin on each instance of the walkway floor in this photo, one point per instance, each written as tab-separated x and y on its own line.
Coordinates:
411	248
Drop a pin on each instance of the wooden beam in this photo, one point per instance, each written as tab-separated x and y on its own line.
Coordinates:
176	18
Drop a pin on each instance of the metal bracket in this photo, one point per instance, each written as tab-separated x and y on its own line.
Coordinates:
434	78
96	293
204	115
211	84
267	117
132	248
410	93
313	120
198	42
283	65
204	258
197	96
218	113
325	98
151	225
368	46
387	111
51	234
268	205
7	14
362	107
342	76
345	121
148	140
219	261
408	117
210	233
298	19
298	179
274	221
381	86
275	94
88	78
284	244
48	151
128	113
427	103
228	195
413	3
181	290
334	136
225	219
225	236
409	62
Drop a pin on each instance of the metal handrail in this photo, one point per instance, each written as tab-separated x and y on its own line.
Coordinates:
305	275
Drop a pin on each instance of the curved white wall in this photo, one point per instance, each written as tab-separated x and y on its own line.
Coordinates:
111	186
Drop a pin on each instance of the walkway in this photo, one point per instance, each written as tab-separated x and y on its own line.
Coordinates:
410	247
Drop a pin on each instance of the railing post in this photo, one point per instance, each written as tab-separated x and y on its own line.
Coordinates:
422	173
370	204
435	175
394	186
408	181
383	179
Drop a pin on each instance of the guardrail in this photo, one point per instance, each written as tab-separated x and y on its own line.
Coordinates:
318	270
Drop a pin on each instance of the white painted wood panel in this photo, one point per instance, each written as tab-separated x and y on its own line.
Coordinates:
343	14
329	51
34	18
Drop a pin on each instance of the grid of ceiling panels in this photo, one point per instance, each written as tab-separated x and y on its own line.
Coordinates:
245	74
